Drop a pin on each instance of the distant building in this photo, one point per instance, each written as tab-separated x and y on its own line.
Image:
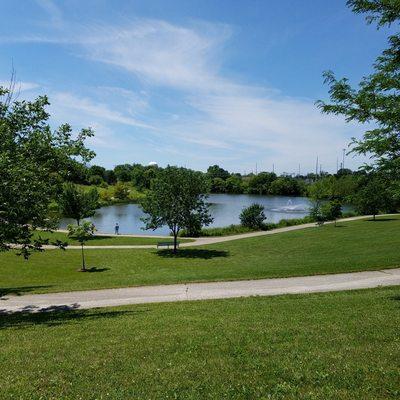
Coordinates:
153	164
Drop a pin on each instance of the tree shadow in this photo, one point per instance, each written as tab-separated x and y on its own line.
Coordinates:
205	254
54	315
395	298
100	237
95	269
381	219
19	291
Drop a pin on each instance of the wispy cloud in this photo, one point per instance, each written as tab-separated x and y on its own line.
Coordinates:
53	12
212	111
99	111
21	86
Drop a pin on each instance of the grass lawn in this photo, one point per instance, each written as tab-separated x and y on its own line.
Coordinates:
354	246
104	240
342	345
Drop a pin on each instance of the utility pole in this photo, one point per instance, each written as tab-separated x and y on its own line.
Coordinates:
273	168
316	167
256	169
337	164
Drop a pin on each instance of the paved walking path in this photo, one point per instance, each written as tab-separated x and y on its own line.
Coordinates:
198	291
201	241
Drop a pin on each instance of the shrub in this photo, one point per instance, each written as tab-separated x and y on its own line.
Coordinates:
121	192
253	216
96	180
332	210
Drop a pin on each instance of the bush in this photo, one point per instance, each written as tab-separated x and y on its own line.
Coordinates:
223	231
253	216
96	180
332	210
121	192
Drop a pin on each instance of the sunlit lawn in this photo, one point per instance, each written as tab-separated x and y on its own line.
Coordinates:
352	246
330	346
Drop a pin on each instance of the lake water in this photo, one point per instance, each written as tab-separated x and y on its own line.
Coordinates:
225	208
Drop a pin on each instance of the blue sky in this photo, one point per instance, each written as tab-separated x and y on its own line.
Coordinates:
192	83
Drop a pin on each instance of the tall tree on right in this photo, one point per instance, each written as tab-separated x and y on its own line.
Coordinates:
377	99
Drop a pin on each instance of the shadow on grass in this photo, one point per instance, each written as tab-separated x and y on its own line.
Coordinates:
54	315
395	298
101	238
19	291
193	253
95	269
381	219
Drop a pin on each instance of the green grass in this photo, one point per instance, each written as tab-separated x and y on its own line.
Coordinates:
103	240
352	246
329	346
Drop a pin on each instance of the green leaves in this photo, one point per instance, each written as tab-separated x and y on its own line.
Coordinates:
77	203
177	199
82	233
376	101
34	161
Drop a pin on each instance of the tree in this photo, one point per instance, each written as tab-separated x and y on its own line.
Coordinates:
376	100
176	198
110	177
77	203
121	192
123	172
234	184
373	197
287	186
96	170
253	217
316	213
82	233
217	185
261	183
215	171
34	161
332	210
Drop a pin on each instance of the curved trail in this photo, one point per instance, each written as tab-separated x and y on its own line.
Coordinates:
198	291
202	241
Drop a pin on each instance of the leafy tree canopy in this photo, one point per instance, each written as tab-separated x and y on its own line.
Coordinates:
34	161
78	203
177	199
377	99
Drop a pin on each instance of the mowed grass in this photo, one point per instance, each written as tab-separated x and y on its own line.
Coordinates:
343	345
352	246
104	240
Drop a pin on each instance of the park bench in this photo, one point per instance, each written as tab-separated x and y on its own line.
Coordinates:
167	244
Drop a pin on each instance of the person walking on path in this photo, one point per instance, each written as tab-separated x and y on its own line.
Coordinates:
116	229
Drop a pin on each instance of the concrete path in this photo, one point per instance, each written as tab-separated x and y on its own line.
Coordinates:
202	241
198	291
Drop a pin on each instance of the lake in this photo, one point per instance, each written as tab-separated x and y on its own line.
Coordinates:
225	208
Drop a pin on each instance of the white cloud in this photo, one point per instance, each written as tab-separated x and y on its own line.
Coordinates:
213	111
225	114
161	53
52	10
20	86
99	111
